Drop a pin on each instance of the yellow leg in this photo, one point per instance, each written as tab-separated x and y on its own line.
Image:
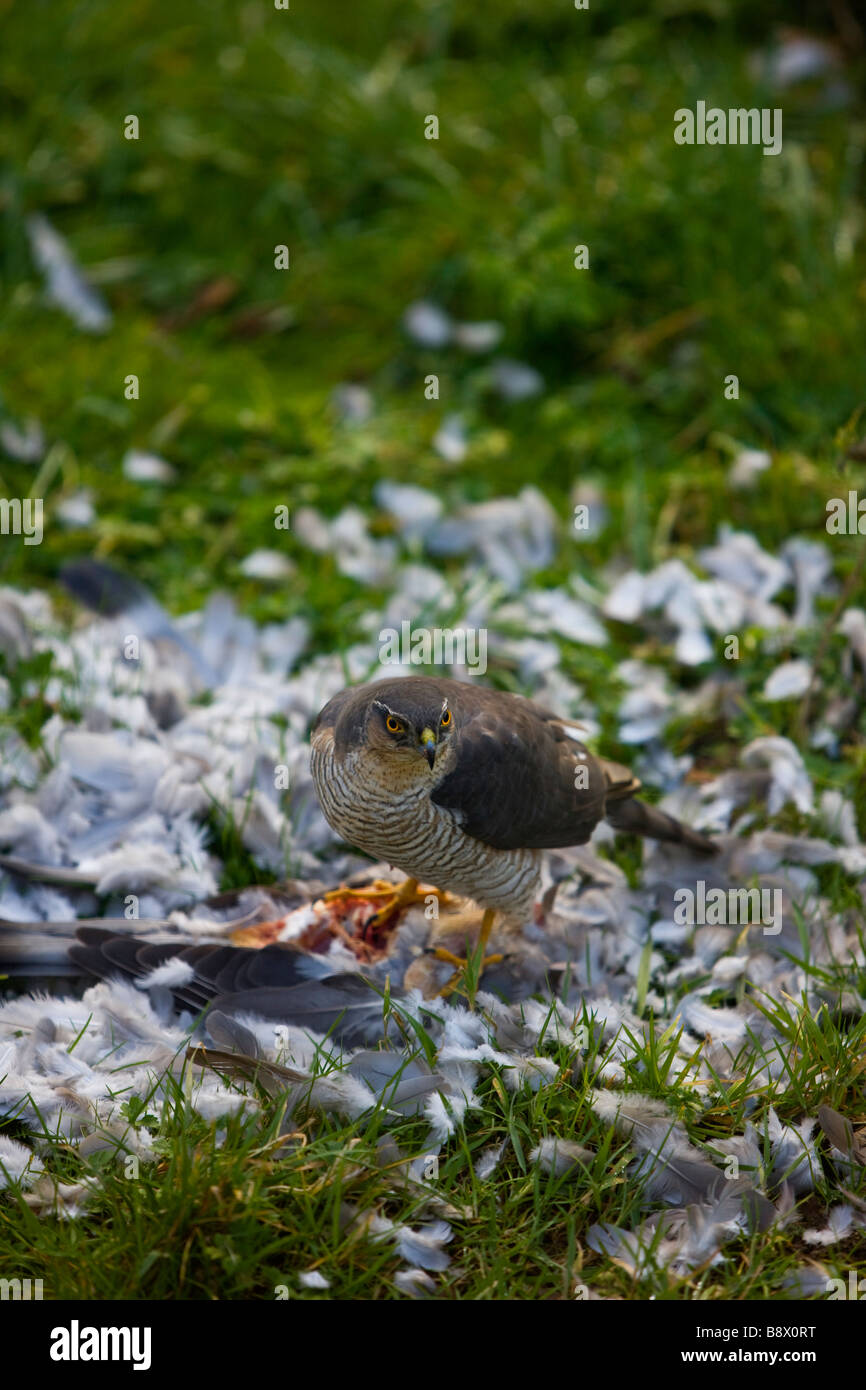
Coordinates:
440	953
376	889
405	894
397	896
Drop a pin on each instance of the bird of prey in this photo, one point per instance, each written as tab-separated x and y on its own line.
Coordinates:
464	787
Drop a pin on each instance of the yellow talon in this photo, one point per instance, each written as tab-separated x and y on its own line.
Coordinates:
462	964
369	890
397	895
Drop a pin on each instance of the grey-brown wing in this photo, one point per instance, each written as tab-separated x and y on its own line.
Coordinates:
515	783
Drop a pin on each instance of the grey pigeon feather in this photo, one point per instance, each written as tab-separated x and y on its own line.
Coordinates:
110	593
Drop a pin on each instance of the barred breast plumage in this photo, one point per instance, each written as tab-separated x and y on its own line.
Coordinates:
394	819
462	786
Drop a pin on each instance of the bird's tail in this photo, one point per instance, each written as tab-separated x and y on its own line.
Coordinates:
638	818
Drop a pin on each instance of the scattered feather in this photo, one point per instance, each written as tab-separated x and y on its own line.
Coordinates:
561	1156
142	467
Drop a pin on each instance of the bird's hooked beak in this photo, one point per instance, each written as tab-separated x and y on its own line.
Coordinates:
428	743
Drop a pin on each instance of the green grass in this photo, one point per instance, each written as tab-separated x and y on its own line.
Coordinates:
242	1216
260	128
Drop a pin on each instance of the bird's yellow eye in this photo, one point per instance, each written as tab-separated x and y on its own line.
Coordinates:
393	725
446	718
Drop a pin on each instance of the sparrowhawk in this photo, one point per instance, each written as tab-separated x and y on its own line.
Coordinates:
463	787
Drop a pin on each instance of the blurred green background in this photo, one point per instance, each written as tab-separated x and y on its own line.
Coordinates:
305	127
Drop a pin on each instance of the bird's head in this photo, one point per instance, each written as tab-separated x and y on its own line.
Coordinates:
408	728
